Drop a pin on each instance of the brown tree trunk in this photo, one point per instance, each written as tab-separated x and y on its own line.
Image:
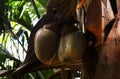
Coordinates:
94	20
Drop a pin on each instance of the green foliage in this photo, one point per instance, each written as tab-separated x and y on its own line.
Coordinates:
43	2
17	18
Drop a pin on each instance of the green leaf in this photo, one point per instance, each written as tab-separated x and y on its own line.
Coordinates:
26	21
4	54
43	2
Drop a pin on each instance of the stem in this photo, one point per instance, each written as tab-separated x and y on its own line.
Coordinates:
35	7
19	41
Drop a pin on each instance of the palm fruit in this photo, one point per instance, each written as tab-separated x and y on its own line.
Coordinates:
45	42
72	46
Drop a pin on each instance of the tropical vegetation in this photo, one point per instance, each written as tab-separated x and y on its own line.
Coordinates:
17	18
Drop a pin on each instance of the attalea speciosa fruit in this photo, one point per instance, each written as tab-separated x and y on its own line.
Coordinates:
45	43
72	46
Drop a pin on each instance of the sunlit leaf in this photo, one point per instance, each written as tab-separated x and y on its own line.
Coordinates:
43	2
26	21
17	16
